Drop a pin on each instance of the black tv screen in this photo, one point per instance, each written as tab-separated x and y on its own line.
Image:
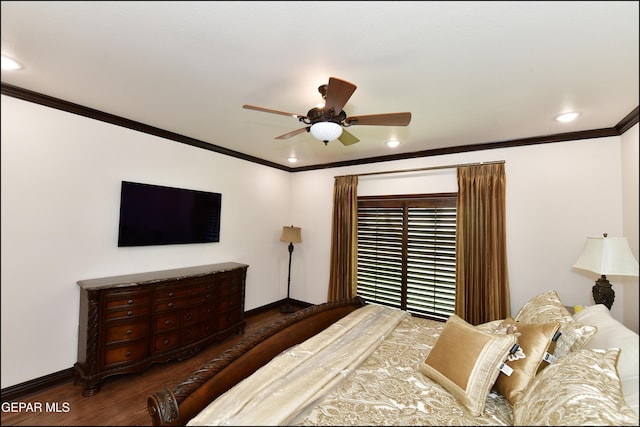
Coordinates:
158	215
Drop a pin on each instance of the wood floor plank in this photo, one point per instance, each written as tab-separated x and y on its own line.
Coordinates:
122	400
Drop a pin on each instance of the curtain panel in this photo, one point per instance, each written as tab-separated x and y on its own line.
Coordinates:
343	269
482	282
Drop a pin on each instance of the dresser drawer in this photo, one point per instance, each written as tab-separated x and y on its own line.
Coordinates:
228	319
123	292
231	302
126	331
127	312
190	316
129	353
190	334
171	292
230	288
167	321
220	277
209	326
186	282
124	301
165	342
179	303
209	310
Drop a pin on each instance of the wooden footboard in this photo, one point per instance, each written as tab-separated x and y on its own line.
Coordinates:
176	406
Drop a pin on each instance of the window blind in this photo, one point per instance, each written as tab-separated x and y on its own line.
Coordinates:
406	253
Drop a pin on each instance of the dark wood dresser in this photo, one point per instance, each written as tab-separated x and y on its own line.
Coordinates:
127	323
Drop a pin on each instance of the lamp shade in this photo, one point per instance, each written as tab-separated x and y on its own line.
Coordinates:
326	131
291	234
608	256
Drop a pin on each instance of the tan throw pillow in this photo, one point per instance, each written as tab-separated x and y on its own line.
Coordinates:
547	307
466	361
582	388
535	339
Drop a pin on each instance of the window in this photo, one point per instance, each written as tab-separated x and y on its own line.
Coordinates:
407	252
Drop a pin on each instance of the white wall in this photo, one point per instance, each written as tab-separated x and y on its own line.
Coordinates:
630	221
557	195
61	178
60	183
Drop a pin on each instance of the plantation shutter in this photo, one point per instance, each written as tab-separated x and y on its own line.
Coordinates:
380	238
406	253
431	261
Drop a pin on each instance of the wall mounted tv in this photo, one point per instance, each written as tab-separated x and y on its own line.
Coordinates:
158	215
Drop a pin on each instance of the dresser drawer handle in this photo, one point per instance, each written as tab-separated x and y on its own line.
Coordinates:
128	354
130	302
170	305
129	331
165	342
129	313
170	294
189	316
167	322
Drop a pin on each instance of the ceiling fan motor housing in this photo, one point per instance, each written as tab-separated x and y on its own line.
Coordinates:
316	115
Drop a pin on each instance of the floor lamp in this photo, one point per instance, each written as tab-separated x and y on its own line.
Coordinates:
292	235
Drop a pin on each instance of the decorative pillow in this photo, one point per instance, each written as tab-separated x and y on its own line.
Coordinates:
582	388
547	307
612	333
466	361
490	326
535	339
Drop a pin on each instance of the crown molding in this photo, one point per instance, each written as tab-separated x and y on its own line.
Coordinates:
17	92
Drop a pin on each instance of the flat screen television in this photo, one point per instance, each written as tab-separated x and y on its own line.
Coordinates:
158	215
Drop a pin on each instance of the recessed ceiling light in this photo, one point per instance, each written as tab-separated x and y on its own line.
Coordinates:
393	143
292	159
10	64
567	117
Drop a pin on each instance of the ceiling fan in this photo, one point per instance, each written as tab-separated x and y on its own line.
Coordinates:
327	122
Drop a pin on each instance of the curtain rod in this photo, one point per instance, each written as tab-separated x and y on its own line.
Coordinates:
425	168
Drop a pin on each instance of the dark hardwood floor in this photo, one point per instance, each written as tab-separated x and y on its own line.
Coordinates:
122	400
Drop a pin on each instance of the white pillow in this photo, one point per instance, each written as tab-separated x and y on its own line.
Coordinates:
613	334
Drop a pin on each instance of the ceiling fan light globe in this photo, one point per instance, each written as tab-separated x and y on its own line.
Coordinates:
326	131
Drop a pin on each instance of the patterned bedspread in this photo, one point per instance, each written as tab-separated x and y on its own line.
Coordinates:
383	387
388	389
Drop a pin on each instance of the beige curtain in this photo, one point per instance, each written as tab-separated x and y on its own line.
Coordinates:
482	293
344	239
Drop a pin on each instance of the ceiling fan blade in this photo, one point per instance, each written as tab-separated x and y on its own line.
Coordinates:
347	138
293	133
338	93
390	119
268	110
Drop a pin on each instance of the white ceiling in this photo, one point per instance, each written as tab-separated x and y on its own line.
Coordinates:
469	72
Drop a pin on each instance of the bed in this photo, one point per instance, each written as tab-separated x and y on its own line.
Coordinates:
352	363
